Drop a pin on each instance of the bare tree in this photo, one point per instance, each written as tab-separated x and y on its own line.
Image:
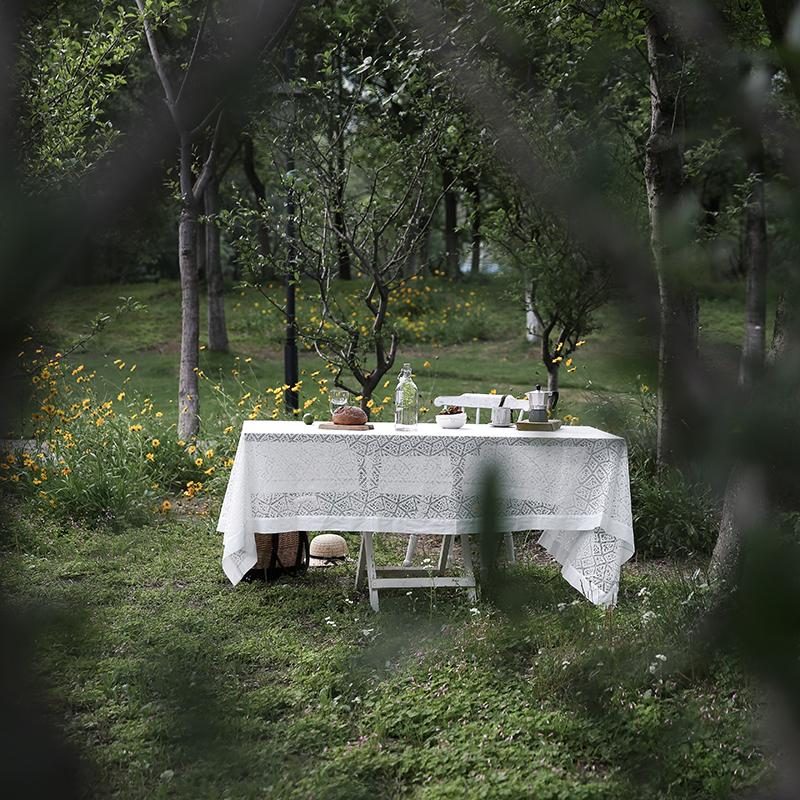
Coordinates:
196	113
192	188
383	224
664	177
778	14
561	286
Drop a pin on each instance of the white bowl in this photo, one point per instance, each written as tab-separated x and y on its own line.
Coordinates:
451	420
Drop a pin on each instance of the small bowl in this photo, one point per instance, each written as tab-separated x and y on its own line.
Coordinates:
451	420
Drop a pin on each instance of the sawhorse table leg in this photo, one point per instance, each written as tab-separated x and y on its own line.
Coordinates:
411	548
409	578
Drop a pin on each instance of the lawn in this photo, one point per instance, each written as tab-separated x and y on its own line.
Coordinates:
472	334
173	684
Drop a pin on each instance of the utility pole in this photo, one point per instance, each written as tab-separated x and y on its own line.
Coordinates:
291	372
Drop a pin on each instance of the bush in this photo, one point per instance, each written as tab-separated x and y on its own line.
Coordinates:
673	514
115	460
118	460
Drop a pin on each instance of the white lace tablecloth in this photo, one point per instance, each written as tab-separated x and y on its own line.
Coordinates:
571	484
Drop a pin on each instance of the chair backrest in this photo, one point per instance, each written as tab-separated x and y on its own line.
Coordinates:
480	401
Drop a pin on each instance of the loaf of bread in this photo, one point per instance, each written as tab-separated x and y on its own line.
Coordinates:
349	415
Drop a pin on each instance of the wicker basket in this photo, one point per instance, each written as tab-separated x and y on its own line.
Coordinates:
280	553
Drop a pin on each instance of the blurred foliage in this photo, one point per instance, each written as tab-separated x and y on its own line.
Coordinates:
675	513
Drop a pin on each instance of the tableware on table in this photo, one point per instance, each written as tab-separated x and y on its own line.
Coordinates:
538	403
406	401
549	425
332	426
452	417
338	398
501	415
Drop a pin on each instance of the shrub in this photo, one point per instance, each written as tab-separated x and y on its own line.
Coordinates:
118	459
115	459
673	514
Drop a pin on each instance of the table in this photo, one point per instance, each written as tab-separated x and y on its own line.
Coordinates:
571	484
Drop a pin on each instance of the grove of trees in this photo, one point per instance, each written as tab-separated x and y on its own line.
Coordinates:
636	149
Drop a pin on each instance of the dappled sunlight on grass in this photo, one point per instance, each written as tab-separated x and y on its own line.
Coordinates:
174	682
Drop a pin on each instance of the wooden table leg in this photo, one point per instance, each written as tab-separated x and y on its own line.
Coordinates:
361	565
509	541
369	553
444	554
466	560
411	548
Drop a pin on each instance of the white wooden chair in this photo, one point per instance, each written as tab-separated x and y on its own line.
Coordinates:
482	401
477	402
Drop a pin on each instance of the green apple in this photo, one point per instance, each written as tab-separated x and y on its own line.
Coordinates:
308	419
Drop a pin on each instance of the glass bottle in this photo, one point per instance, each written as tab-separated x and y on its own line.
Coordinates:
406	401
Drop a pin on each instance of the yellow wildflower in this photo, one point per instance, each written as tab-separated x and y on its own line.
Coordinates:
150	457
155	442
198	462
166	506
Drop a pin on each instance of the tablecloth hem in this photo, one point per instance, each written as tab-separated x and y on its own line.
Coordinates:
432	526
592	592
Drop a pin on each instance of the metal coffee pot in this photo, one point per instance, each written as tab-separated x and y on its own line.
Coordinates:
537	402
501	415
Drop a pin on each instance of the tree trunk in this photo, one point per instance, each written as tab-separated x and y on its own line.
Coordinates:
475	232
342	251
664	177
552	385
777	14
532	332
188	397
745	501
201	250
756	264
782	331
217	329
744	508
451	254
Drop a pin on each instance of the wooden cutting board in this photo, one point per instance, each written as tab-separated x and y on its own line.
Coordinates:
550	425
332	426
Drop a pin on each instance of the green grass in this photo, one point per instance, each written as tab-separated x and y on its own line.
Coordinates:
470	349
482	347
173	684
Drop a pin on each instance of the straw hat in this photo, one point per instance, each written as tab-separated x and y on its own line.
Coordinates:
326	550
